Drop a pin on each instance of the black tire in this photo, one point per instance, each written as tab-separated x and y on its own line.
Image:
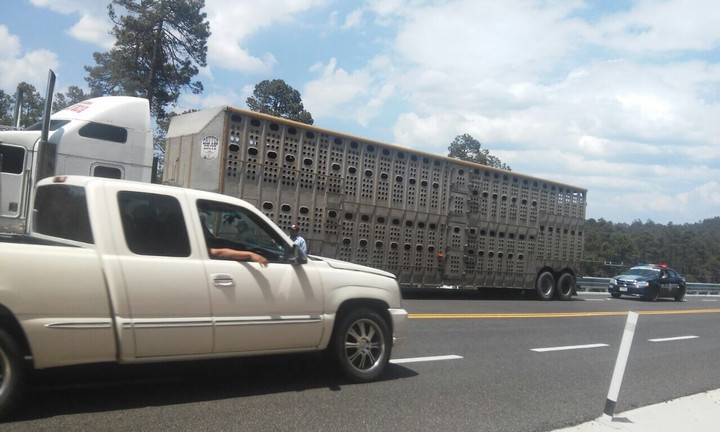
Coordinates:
13	375
615	295
361	345
653	294
545	285
680	294
565	286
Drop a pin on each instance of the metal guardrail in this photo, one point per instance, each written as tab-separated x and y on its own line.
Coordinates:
597	284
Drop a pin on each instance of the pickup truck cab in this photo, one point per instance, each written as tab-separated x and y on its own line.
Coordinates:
120	271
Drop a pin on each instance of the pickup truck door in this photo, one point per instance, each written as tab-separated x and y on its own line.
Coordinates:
256	308
163	305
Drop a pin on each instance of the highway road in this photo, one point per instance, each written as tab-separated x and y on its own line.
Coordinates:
470	363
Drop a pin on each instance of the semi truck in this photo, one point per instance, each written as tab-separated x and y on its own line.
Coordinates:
430	220
102	137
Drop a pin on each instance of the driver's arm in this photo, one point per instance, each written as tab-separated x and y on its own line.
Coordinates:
239	255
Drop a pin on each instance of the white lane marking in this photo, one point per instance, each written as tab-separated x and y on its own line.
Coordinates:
709	300
425	359
570	347
673	338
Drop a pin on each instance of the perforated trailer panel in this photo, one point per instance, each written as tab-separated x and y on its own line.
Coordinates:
428	219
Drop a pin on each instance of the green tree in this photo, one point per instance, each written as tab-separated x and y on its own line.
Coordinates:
692	249
31	109
73	95
467	148
7	106
278	99
160	46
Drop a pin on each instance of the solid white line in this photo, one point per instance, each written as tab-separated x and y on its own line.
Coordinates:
425	359
673	338
571	347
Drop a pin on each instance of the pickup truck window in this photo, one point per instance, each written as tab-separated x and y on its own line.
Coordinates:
227	226
61	211
153	224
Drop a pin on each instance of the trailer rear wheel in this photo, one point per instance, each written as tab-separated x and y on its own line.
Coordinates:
545	285
565	286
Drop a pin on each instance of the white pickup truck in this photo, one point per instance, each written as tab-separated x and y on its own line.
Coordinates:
120	271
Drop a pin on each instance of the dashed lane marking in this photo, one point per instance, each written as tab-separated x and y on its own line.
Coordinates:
677	338
570	347
426	359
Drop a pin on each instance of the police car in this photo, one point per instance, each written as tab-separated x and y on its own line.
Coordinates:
650	282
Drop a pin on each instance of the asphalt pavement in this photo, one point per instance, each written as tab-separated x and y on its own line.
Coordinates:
699	412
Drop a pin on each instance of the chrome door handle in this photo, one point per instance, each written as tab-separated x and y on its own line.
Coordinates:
222	280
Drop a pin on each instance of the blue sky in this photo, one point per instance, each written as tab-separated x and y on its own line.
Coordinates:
619	97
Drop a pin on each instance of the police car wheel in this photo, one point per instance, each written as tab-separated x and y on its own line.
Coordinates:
652	294
680	295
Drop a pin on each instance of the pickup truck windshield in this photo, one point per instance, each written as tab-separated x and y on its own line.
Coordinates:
61	211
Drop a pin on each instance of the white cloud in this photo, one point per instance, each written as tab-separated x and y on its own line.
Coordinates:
20	67
209	100
429	134
353	20
93	29
656	26
336	92
506	40
234	21
93	24
72	6
10	44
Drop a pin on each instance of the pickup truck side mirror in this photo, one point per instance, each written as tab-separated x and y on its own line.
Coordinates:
297	256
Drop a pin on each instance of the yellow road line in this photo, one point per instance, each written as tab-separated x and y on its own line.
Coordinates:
555	314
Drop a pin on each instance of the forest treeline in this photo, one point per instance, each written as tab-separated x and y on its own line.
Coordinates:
692	249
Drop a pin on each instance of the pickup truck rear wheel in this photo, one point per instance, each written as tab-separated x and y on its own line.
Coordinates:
362	345
12	374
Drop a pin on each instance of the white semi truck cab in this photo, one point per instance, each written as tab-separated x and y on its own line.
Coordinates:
101	137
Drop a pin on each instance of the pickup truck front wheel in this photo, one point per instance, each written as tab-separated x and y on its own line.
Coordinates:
361	345
12	374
